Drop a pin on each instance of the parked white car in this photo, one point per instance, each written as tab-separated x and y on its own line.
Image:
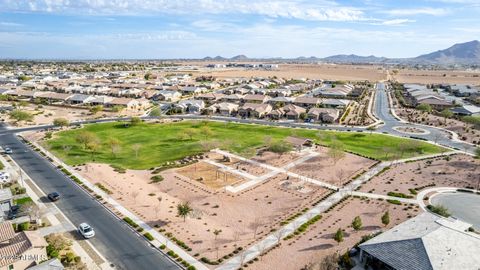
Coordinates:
86	230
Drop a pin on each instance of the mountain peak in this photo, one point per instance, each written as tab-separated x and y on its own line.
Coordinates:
468	52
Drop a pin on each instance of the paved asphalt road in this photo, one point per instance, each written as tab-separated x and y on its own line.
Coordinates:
382	111
461	205
114	239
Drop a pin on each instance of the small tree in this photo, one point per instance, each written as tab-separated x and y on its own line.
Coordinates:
338	236
134	195
206	131
134	121
184	209
216	233
136	148
85	137
61	122
357	223
190	132
20	116
93	146
336	151
96	109
329	262
446	114
156	112
386	218
424	108
114	145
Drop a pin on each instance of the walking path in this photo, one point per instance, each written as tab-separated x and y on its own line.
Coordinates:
274	171
274	238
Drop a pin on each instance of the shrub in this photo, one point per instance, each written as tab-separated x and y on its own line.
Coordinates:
399	195
156	178
439	210
397	202
52	252
130	222
162	247
24	226
148	236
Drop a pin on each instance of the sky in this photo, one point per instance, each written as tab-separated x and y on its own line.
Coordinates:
163	29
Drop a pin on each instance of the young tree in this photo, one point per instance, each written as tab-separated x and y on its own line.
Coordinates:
114	145
206	131
20	116
386	218
93	146
134	121
190	132
424	108
329	262
446	114
156	112
85	137
336	151
184	209
357	223
96	109
216	233
136	148
338	236
61	122
134	195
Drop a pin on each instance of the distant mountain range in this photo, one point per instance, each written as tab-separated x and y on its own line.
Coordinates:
460	54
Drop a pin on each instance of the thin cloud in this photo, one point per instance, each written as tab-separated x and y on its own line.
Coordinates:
417	11
297	9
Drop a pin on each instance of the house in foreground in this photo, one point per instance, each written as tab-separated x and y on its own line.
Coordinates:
20	250
425	242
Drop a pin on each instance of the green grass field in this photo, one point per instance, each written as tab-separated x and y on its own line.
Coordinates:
168	142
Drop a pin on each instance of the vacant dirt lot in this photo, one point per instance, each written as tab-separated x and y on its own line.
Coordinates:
310	71
44	115
437	76
318	241
241	217
324	168
455	171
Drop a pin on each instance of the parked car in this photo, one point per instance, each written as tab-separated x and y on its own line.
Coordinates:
14	212
86	231
8	150
54	196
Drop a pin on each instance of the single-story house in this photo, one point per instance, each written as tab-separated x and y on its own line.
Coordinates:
233	98
425	242
192	90
55	97
276	114
254	110
466	110
335	103
129	103
167	95
326	115
101	100
80	99
293	112
224	108
52	264
255	98
191	105
210	96
20	250
435	102
307	102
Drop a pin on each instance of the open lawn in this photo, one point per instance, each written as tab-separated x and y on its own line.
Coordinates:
148	145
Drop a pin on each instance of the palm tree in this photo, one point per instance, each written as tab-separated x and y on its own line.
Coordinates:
184	209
